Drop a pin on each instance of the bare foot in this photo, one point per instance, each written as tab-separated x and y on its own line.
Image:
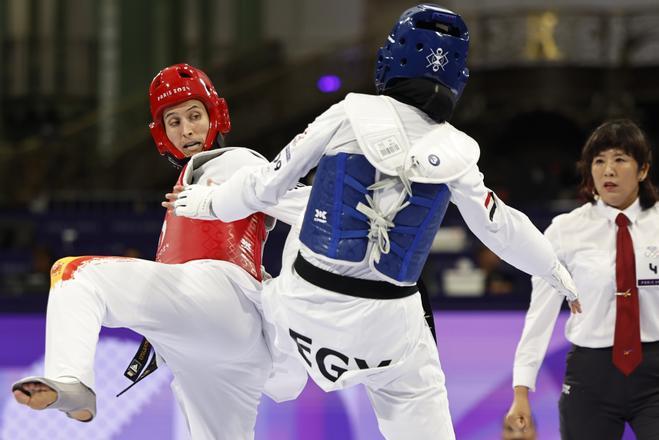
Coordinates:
39	396
82	415
35	395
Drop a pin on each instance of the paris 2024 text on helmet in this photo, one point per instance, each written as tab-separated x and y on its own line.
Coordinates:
176	84
430	42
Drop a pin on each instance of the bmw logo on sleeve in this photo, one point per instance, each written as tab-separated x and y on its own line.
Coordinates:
433	159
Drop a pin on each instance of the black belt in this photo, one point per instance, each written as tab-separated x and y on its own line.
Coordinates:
350	286
649	346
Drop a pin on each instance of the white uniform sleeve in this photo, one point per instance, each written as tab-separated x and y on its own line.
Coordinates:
257	188
290	206
538	325
222	169
506	231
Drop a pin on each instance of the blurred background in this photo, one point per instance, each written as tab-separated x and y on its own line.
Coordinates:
80	174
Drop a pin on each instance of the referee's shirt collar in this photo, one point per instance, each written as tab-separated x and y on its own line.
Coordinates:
632	211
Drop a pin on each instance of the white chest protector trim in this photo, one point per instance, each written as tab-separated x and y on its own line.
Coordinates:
443	154
199	159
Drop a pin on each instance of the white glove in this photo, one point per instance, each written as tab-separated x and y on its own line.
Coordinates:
195	202
561	280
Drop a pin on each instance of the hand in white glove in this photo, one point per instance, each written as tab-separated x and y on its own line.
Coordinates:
561	280
195	202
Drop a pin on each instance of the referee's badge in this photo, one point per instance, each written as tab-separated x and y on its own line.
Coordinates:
647	266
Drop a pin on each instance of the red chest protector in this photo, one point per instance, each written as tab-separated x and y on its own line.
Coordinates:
241	242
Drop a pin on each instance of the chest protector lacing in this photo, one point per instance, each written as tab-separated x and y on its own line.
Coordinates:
381	222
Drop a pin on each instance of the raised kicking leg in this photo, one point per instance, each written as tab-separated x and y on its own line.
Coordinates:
77	307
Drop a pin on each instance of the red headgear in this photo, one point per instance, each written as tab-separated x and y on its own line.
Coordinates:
176	84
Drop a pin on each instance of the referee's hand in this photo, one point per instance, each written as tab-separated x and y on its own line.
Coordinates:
518	423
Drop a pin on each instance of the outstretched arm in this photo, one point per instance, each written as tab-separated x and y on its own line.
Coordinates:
287	210
509	233
256	188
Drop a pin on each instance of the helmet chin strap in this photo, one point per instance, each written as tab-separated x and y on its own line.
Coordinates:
434	99
176	163
218	143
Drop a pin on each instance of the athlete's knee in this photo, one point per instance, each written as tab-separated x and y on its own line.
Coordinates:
65	268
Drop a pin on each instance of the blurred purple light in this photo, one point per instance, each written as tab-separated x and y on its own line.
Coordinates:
328	83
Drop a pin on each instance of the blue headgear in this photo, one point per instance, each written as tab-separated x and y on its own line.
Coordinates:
428	41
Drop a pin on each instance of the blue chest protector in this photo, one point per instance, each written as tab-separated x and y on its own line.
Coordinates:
334	229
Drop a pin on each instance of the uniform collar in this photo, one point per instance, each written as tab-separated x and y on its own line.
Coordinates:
632	212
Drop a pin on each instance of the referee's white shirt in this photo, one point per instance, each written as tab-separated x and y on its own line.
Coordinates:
585	242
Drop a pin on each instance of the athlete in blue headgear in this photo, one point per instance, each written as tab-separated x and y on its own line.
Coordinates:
388	165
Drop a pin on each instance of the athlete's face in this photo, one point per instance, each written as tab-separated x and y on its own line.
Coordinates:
616	176
186	125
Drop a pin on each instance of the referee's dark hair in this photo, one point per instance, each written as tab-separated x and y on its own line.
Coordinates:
627	136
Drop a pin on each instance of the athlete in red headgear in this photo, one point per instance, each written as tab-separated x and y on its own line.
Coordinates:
197	304
172	86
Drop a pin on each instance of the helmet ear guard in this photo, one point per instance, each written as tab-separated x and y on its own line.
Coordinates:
174	85
430	42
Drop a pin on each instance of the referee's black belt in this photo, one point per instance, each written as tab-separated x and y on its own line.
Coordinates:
652	346
348	285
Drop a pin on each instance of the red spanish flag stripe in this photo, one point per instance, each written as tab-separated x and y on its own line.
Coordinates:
65	268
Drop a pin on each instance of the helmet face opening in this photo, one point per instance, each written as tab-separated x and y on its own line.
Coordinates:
430	42
174	85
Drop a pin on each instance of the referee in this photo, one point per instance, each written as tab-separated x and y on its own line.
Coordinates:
610	245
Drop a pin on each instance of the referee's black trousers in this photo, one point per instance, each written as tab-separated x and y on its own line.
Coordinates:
597	399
